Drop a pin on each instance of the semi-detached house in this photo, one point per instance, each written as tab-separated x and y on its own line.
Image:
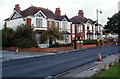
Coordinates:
85	28
41	19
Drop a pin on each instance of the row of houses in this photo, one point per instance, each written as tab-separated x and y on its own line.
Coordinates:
77	27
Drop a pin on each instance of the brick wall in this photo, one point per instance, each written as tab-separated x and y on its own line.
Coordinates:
89	46
33	49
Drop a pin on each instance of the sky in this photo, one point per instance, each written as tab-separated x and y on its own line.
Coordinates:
68	7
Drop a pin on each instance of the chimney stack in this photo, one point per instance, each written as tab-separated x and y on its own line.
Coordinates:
58	11
81	13
17	8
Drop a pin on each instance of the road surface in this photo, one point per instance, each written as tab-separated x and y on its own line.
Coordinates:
53	65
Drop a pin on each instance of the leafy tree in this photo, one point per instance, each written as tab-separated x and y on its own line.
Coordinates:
8	37
25	36
52	34
113	24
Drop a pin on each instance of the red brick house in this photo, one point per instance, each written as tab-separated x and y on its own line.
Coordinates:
84	28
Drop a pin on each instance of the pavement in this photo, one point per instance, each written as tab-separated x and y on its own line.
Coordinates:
90	69
11	55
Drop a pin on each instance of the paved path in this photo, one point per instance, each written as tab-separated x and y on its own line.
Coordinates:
53	65
10	55
90	69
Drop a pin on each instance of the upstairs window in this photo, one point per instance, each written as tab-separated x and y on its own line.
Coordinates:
96	28
88	26
80	29
64	25
39	22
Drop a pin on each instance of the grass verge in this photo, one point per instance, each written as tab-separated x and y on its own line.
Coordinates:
112	73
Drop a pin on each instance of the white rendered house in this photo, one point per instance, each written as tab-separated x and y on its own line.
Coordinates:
41	19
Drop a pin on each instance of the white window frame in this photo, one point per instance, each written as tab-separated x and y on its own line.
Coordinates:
39	22
64	25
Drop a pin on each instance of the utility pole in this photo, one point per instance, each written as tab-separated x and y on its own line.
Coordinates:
97	11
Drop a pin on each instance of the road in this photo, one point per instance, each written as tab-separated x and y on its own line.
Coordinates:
52	65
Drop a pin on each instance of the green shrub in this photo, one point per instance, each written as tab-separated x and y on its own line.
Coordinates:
25	43
55	45
66	45
8	37
88	42
25	37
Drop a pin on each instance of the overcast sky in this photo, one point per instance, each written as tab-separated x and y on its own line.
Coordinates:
68	7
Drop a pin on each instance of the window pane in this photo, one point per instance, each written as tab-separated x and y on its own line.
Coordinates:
39	22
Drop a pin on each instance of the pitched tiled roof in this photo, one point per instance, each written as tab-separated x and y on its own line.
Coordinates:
78	20
62	17
31	11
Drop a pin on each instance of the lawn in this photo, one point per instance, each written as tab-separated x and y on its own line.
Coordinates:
112	73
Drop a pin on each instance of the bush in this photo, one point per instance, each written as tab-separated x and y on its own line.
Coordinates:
25	43
55	45
8	37
66	45
88	42
25	37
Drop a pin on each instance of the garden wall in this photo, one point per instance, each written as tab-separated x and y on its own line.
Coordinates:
89	46
33	49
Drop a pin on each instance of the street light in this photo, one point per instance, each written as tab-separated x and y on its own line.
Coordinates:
97	11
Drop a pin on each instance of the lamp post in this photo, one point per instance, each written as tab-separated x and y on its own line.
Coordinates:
97	11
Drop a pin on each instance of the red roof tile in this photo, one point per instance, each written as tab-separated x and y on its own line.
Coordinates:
31	11
78	20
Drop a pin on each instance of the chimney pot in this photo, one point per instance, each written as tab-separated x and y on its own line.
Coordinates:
17	7
58	11
81	13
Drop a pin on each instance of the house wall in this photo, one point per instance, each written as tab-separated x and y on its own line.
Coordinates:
15	22
91	28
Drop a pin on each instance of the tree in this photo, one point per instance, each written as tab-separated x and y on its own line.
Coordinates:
25	36
113	24
8	37
52	34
